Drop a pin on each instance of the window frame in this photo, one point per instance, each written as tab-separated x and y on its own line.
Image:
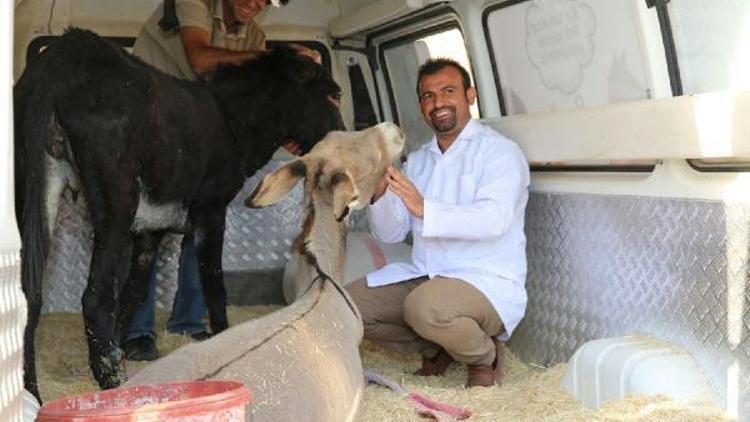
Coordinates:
728	167
490	48
452	23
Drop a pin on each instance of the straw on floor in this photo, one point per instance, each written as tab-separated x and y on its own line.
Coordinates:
528	393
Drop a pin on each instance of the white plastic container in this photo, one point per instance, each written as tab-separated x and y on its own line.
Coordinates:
29	405
616	367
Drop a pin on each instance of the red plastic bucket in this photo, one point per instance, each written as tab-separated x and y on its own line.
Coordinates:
203	401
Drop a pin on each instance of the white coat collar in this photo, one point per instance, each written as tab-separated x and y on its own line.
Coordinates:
466	134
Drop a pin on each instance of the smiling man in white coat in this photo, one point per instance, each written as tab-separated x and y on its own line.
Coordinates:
463	197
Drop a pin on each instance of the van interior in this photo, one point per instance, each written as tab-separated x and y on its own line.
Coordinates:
628	111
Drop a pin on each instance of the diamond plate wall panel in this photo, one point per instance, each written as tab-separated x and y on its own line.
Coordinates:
255	239
70	254
259	239
602	266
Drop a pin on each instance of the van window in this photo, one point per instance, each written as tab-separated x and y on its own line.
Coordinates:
402	58
562	54
711	42
711	46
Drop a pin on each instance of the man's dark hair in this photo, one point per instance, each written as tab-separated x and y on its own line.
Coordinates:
433	66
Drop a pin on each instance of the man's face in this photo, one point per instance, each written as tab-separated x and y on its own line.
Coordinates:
445	105
246	10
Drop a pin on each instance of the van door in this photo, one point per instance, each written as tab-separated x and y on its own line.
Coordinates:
12	301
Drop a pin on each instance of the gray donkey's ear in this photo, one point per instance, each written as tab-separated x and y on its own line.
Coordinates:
345	194
276	185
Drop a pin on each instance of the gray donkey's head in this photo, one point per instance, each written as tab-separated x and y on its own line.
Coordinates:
341	173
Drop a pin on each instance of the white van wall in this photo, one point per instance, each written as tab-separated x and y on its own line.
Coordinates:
617	253
12	302
35	18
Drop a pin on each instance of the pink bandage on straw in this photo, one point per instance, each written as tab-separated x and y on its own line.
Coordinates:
441	412
425	407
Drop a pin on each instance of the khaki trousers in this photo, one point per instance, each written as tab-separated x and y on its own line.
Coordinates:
421	315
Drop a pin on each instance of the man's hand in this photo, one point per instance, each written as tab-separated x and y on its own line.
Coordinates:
405	189
307	52
380	188
292	147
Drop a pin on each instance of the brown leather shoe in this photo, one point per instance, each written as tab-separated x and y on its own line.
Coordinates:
435	365
487	375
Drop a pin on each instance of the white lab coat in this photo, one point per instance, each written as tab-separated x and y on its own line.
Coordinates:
475	198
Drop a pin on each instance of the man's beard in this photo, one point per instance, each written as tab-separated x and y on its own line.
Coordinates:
443	125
